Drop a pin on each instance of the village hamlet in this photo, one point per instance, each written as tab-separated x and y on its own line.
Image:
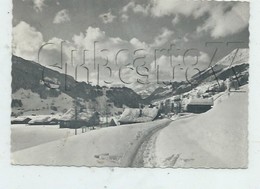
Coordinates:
136	85
78	116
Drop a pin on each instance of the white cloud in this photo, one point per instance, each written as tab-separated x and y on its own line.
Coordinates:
162	38
137	44
141	9
224	18
107	17
161	8
175	66
176	19
136	8
127	75
26	41
124	17
51	54
61	17
111	44
163	69
128	6
87	39
223	23
38	5
204	58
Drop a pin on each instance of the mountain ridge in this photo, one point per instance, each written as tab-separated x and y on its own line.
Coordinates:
27	76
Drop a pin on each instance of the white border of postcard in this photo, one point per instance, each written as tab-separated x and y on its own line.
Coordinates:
42	177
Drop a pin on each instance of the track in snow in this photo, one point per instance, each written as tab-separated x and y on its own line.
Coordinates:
145	146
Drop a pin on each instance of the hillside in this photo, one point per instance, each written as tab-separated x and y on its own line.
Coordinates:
223	69
28	84
49	93
234	63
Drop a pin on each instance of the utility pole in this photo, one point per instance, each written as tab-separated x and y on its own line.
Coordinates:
76	113
106	108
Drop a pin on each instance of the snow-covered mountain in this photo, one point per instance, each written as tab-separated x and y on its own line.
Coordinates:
236	57
33	92
145	90
236	61
30	94
235	64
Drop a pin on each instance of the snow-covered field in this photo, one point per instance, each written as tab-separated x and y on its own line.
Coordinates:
24	136
217	138
113	146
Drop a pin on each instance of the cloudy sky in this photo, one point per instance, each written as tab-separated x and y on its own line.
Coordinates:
126	35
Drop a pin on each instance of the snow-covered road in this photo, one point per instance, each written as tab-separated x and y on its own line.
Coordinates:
146	155
145	148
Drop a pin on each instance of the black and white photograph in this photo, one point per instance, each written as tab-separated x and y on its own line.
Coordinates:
132	84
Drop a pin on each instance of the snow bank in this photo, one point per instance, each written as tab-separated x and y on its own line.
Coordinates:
217	138
112	146
24	136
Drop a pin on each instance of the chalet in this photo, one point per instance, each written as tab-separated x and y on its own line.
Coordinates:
199	105
138	115
113	122
44	120
20	120
83	119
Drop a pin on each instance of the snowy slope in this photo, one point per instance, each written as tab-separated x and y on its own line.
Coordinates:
236	57
237	61
112	146
217	138
33	103
39	86
23	136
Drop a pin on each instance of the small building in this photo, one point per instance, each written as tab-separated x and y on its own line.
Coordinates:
168	106
20	120
109	121
44	120
114	122
136	115
83	119
177	98
177	107
199	105
73	124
